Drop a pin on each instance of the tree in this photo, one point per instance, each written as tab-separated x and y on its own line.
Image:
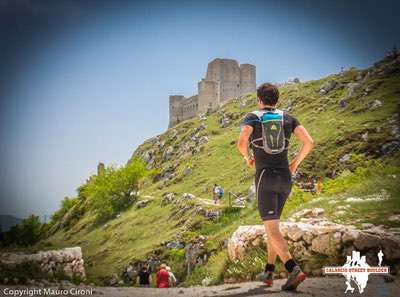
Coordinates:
27	232
115	190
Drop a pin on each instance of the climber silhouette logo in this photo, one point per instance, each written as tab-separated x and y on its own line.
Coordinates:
356	270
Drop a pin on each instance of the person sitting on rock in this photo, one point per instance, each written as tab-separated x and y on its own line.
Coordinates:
162	277
269	130
144	277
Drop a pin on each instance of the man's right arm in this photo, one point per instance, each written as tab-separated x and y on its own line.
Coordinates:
243	144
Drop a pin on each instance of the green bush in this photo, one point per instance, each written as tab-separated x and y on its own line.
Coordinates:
176	260
26	233
115	190
66	204
214	271
21	272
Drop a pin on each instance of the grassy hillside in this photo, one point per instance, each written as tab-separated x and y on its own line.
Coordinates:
354	125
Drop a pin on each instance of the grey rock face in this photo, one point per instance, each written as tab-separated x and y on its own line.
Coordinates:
327	87
375	104
68	261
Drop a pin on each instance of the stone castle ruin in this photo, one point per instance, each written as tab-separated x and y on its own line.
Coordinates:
225	79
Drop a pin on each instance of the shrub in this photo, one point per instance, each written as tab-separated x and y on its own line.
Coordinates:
214	271
28	232
114	190
66	204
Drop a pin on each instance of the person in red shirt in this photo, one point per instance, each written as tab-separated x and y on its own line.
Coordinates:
162	276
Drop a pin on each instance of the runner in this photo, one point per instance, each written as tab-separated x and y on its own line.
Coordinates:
268	130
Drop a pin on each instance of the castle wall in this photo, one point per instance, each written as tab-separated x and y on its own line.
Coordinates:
190	107
247	79
182	108
208	95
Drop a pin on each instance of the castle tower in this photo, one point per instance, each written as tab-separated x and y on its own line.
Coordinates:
247	79
227	73
175	109
208	95
101	169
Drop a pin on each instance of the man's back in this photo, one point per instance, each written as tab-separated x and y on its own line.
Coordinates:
162	278
263	159
144	278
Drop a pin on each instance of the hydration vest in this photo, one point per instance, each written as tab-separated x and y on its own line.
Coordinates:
273	135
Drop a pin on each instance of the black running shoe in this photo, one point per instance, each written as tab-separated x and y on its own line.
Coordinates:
294	279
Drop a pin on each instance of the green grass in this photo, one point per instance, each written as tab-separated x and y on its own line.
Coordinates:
130	237
361	188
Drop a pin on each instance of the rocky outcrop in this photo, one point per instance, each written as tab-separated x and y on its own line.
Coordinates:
317	236
68	261
327	87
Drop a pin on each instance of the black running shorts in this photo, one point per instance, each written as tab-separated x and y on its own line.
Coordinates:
273	186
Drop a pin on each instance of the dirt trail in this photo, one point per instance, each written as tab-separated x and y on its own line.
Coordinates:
332	286
209	202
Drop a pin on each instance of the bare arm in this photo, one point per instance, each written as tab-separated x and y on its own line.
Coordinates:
307	145
243	144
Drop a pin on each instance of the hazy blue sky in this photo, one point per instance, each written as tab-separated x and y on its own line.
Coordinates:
88	81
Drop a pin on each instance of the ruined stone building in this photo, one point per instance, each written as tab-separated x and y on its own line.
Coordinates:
225	79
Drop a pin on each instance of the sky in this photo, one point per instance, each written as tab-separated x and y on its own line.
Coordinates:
83	82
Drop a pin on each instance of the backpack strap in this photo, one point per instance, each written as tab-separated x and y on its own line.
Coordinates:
259	114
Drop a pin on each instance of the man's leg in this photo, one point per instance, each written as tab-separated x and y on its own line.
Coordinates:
271	259
277	241
268	274
296	276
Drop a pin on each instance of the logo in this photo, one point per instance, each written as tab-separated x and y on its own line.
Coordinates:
356	270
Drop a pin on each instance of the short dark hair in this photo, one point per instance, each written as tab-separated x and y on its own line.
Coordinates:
268	94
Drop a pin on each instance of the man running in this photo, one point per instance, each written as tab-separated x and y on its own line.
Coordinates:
269	130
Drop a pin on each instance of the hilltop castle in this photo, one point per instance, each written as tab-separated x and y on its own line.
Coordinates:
225	79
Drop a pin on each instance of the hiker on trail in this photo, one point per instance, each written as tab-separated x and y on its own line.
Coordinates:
172	278
221	192
144	277
218	192
268	130
162	276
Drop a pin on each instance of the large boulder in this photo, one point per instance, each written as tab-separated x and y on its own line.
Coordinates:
167	154
391	247
327	244
318	236
243	238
